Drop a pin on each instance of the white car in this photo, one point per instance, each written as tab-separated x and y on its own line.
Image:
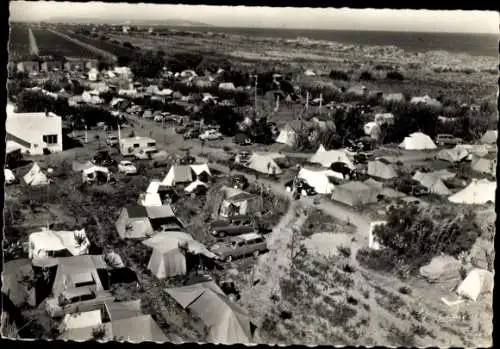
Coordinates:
127	167
211	135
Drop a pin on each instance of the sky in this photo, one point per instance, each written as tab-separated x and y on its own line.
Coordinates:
241	16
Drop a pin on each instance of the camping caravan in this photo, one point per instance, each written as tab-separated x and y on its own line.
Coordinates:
170	252
418	141
432	182
35	176
227	322
287	136
318	179
477	282
133	223
50	243
328	157
381	169
478	192
264	163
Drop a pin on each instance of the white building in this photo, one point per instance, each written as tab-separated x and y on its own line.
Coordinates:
129	146
34	132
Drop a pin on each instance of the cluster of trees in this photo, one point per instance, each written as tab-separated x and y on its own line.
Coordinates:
413	235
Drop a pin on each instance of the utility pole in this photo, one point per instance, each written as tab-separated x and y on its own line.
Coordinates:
86	136
320	102
307	101
255	93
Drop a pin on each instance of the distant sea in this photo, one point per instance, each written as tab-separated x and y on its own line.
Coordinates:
473	44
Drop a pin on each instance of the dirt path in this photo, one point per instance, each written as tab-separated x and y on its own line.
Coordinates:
33	45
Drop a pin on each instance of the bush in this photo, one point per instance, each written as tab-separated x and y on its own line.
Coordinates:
395	75
366	76
339	75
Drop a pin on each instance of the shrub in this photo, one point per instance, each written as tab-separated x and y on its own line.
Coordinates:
366	75
99	332
338	75
404	290
394	75
344	251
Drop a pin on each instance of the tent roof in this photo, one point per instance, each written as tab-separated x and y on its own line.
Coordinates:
186	295
50	240
200	168
136	211
477	192
123	310
182	173
490	137
138	329
84	319
167	241
163	211
354	186
194	185
150	199
153	186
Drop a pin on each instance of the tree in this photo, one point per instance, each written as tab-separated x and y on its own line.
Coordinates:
366	75
415	234
223	116
260	131
338	75
147	65
394	75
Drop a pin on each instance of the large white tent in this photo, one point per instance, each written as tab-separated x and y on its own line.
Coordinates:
453	155
417	141
287	136
264	163
489	137
35	176
432	182
318	179
478	192
327	157
478	281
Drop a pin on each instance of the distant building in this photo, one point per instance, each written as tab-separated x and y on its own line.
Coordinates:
29	67
49	66
34	132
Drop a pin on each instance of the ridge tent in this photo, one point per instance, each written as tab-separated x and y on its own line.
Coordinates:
381	169
178	174
227	321
287	136
202	172
474	149
318	179
477	282
123	310
48	243
478	192
489	137
235	199
194	185
168	258
453	155
133	223
149	199
355	193
153	187
484	165
35	176
432	182
328	157
417	141
264	164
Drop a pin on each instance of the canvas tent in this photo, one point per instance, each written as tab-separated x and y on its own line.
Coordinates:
227	322
134	329
355	193
178	174
441	268
81	320
484	165
477	282
489	137
153	187
123	310
194	185
478	192
150	199
287	136
133	223
50	243
328	157
319	179
474	149
237	202
417	141
35	176
264	164
381	169
163	216
201	171
432	182
8	175
168	259
453	155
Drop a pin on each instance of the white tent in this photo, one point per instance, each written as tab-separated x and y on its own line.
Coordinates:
372	129
432	182
46	242
318	179
150	199
90	174
8	176
153	186
478	192
453	155
199	169
194	185
417	141
489	137
478	281
264	164
287	136
35	176
81	320
474	149
380	169
178	174
321	148
484	165
326	158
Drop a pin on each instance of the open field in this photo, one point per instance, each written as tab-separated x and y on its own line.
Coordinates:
19	45
52	44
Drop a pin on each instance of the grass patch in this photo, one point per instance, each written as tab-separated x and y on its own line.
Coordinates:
319	222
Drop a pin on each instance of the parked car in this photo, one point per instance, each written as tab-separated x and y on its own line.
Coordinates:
233	226
192	133
240	246
151	154
78	299
127	167
112	141
102	158
238	182
211	135
448	140
302	187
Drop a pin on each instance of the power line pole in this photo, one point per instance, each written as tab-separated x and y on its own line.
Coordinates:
255	93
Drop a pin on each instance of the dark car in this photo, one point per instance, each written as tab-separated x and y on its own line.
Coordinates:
192	133
239	182
448	140
233	226
301	186
102	158
343	169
